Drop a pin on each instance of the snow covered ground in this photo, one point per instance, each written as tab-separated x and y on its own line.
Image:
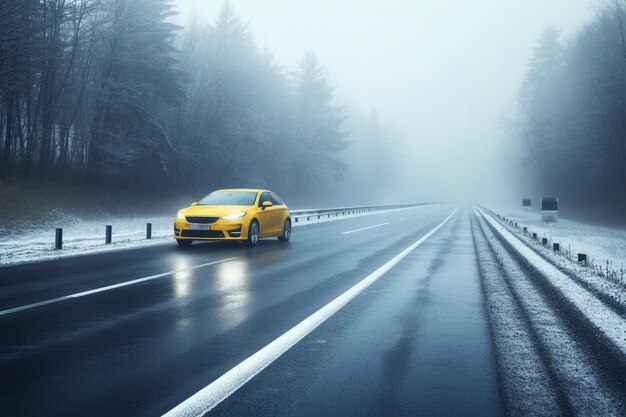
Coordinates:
559	333
33	243
37	243
604	246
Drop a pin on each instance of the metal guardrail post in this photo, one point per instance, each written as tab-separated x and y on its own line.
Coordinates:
148	230
58	238
107	234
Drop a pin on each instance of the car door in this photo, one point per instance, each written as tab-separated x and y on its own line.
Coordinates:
267	217
281	212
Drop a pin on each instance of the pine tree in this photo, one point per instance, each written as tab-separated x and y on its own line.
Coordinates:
138	77
317	125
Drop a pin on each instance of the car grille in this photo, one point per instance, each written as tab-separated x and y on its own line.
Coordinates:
206	234
202	219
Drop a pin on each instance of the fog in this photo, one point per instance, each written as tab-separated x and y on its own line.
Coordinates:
444	72
324	102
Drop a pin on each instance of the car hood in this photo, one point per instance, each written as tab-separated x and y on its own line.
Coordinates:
217	211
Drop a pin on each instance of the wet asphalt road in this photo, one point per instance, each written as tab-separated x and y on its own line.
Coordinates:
416	342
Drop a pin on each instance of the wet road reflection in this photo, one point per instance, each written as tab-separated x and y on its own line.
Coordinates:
232	279
161	340
181	279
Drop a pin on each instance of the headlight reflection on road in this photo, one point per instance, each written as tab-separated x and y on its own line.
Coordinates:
232	274
232	279
181	288
182	279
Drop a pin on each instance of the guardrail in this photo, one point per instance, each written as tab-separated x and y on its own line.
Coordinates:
296	215
577	258
343	211
545	241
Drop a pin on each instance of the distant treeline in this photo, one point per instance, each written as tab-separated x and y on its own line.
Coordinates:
112	92
572	114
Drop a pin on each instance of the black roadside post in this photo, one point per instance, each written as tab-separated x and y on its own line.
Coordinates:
58	238
107	235
148	230
582	259
556	247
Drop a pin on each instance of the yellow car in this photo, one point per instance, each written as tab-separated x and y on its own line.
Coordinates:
238	214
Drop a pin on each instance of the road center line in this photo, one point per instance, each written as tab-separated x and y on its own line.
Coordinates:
108	288
210	396
364	228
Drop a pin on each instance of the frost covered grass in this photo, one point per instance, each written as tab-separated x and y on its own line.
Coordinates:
604	246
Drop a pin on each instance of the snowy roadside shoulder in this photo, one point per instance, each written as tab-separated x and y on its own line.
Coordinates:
34	244
609	281
603	247
604	315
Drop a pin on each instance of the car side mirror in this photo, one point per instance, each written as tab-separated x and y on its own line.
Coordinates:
266	204
195	203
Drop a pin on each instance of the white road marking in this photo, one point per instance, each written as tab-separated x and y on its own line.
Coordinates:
108	288
210	396
364	228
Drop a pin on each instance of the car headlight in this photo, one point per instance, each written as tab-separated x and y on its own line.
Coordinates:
234	216
179	215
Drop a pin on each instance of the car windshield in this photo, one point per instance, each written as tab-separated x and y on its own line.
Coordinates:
229	198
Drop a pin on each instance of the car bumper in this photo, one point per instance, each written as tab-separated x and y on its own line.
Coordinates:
220	230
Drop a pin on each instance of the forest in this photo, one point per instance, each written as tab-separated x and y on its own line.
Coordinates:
112	93
571	115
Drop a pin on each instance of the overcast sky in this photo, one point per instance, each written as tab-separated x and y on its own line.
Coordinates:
445	71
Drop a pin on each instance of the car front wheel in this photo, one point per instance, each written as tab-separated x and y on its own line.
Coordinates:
253	233
286	231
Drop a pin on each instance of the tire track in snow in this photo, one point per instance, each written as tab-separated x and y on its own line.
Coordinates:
521	371
588	372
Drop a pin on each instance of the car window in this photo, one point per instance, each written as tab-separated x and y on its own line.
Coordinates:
229	198
264	197
275	200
